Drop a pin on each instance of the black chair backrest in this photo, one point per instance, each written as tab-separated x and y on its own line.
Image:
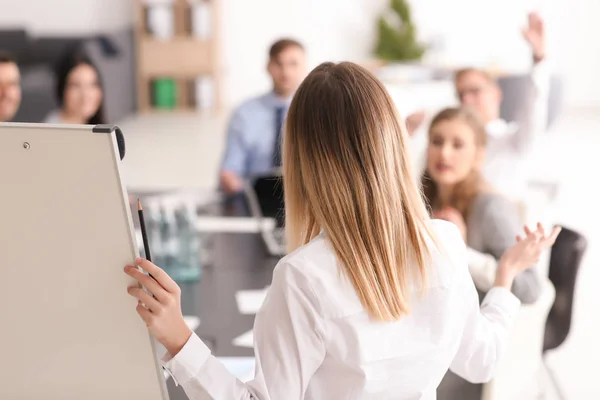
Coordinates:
565	258
269	192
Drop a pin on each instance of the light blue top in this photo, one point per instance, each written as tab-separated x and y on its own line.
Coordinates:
251	136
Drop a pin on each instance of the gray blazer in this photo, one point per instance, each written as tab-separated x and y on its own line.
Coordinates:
492	227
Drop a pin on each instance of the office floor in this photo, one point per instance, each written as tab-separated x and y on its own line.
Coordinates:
183	151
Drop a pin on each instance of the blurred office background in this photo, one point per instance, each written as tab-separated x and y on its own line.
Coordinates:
174	70
460	32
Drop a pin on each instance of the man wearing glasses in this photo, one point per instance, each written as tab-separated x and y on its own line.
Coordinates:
510	143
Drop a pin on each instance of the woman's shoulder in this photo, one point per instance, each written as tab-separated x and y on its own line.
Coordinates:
53	117
446	238
448	253
493	203
310	258
488	198
317	259
444	228
312	271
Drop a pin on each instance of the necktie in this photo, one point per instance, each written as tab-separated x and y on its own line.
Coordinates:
278	125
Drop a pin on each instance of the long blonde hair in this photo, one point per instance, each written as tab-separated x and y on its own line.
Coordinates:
346	171
464	192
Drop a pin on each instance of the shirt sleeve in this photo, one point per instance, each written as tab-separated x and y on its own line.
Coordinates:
501	224
486	329
482	267
236	148
533	116
289	346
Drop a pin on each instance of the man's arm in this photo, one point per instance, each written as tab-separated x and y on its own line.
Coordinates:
231	183
533	116
234	164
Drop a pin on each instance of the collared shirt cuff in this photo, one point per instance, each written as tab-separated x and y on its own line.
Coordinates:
541	74
186	364
504	299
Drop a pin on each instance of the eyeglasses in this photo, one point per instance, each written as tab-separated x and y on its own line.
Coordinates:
473	91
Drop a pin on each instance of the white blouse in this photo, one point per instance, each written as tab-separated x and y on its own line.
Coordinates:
314	340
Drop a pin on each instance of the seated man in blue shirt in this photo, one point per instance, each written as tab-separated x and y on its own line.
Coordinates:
253	141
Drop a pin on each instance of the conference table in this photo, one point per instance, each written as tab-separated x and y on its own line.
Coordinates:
232	258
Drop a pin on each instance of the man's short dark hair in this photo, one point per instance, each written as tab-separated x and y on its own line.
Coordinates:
6	57
281	45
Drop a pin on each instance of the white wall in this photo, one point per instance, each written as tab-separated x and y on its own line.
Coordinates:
66	17
578	30
331	30
488	33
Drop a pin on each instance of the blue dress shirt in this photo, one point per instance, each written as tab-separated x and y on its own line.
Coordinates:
252	136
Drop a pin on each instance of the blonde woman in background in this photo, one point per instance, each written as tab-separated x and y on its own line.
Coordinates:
374	300
457	191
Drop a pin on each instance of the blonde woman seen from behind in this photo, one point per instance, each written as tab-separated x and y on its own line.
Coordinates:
374	300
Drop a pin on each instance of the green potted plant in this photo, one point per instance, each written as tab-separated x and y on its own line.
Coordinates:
397	43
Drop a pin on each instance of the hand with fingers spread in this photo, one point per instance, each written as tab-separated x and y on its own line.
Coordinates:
160	310
535	34
525	253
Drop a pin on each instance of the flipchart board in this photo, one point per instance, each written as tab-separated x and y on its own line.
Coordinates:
68	328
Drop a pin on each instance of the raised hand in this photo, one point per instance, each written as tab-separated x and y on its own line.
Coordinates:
161	309
525	253
535	34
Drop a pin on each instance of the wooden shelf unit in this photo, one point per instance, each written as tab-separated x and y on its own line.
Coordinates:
183	57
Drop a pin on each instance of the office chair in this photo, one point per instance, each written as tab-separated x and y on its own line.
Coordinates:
565	258
513	89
